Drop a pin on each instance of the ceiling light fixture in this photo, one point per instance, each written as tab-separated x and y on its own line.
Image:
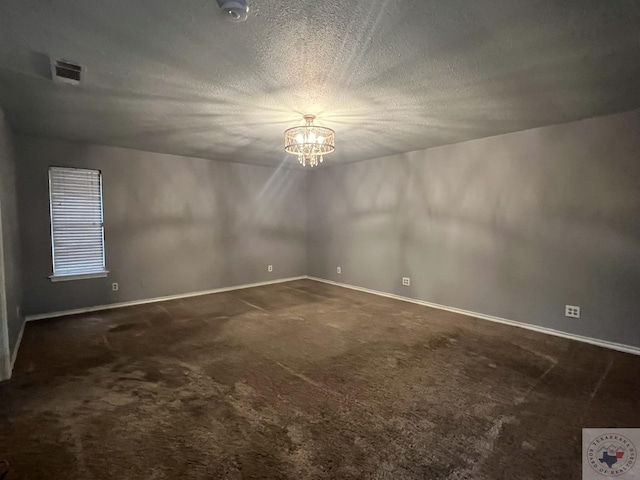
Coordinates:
309	142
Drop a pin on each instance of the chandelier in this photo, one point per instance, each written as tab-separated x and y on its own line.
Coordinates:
309	142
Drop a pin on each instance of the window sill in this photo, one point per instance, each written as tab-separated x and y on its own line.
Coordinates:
82	276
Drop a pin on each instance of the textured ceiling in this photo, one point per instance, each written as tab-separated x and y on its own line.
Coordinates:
388	75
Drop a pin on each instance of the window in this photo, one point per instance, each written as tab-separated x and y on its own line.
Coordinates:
77	232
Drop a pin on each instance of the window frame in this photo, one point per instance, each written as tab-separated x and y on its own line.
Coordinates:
77	276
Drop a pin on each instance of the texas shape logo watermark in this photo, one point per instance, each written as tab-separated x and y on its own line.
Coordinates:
608	453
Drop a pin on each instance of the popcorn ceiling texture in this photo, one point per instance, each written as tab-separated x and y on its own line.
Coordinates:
389	76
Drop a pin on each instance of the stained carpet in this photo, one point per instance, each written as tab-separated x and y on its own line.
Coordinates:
303	380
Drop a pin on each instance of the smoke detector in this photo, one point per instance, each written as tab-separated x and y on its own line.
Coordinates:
66	72
235	10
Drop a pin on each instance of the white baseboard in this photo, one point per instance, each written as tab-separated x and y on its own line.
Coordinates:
16	347
549	331
110	306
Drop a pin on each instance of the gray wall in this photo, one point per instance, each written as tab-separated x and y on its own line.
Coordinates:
172	224
10	232
514	226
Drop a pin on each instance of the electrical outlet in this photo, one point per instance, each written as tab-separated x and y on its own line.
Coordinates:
571	311
406	281
114	287
270	268
18	311
339	270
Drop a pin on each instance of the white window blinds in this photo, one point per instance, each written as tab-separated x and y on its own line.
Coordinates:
77	233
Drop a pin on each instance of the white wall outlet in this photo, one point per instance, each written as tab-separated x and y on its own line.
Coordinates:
270	268
406	281
338	270
114	287
571	311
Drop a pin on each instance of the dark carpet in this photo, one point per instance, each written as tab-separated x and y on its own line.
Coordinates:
304	380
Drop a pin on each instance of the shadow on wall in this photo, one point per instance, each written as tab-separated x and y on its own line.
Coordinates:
172	224
515	226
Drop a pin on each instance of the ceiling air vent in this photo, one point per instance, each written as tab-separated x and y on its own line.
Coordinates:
66	72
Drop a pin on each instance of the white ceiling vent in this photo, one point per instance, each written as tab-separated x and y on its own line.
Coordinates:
66	72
